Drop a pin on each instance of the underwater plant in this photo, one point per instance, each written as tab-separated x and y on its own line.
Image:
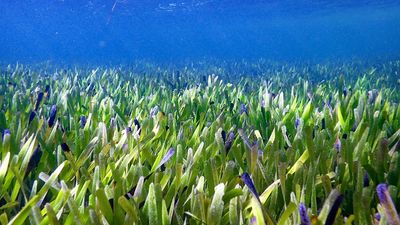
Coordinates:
208	143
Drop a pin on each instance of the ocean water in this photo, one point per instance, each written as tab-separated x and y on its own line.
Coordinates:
121	31
199	112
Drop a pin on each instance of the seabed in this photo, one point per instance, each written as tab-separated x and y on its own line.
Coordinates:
203	143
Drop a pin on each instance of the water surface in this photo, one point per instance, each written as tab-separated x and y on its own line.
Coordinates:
99	32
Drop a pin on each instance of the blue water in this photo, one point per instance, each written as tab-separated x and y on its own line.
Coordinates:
122	31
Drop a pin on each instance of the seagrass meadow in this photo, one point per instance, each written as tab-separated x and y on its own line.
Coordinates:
202	143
